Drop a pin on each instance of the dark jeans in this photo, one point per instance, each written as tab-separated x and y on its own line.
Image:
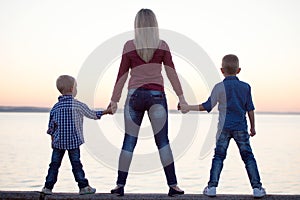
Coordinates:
57	156
242	140
154	102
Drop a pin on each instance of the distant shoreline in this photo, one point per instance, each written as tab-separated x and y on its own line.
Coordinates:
23	109
32	109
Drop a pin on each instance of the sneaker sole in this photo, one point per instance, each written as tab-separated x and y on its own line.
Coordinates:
212	196
174	195
117	194
45	193
209	195
259	197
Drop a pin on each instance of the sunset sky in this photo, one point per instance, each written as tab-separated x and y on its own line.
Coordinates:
40	40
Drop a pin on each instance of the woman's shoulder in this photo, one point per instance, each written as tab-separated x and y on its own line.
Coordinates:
164	45
129	46
163	42
129	42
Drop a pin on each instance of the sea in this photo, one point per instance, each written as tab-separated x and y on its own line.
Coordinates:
25	154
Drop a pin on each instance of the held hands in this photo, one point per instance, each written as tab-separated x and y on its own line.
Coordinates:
111	108
191	107
182	105
107	111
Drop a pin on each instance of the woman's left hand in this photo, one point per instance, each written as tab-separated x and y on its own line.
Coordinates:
113	107
183	104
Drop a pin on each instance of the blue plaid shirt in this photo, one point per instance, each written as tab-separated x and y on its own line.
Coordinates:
66	122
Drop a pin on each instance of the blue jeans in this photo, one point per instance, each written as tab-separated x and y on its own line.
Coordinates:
154	102
57	156
242	140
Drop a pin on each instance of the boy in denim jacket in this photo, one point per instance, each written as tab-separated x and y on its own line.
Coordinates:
234	101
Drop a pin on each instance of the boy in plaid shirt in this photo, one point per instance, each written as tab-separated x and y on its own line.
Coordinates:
66	130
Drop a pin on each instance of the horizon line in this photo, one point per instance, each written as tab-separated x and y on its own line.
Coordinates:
37	109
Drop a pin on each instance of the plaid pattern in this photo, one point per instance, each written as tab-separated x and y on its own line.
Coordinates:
66	122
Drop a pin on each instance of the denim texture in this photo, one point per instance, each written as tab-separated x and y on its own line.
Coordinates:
242	140
74	156
154	102
234	101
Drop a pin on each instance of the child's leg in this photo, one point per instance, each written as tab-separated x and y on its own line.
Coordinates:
219	157
74	155
57	156
242	140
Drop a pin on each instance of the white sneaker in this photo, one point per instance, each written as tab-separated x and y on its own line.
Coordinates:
87	190
259	192
46	190
210	191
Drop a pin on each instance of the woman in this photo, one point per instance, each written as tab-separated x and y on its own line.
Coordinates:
144	57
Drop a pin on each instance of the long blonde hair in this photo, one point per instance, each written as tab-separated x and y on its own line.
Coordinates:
146	34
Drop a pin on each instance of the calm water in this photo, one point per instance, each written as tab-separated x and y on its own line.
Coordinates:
25	154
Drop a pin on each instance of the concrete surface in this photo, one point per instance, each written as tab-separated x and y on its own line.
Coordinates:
28	195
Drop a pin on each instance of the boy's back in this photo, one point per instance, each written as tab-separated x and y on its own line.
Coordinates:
234	98
65	128
234	101
66	122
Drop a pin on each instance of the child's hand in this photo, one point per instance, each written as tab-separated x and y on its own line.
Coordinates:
252	132
52	138
187	108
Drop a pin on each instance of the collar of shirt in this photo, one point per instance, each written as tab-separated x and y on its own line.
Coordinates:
231	78
64	97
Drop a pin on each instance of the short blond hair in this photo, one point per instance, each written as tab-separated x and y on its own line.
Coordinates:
65	84
230	63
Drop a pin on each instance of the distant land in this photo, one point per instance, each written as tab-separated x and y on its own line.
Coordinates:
44	109
23	109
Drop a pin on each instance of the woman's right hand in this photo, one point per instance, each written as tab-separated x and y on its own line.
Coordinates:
112	107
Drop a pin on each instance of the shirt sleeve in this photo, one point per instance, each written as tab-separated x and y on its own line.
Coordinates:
122	75
170	70
51	125
212	100
249	102
87	112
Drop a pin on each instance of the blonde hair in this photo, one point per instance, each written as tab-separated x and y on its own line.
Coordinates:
230	63
146	34
65	83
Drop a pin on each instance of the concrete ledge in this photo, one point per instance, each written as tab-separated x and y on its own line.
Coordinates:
28	195
19	195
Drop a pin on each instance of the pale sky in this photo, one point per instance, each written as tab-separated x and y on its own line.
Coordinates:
40	40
